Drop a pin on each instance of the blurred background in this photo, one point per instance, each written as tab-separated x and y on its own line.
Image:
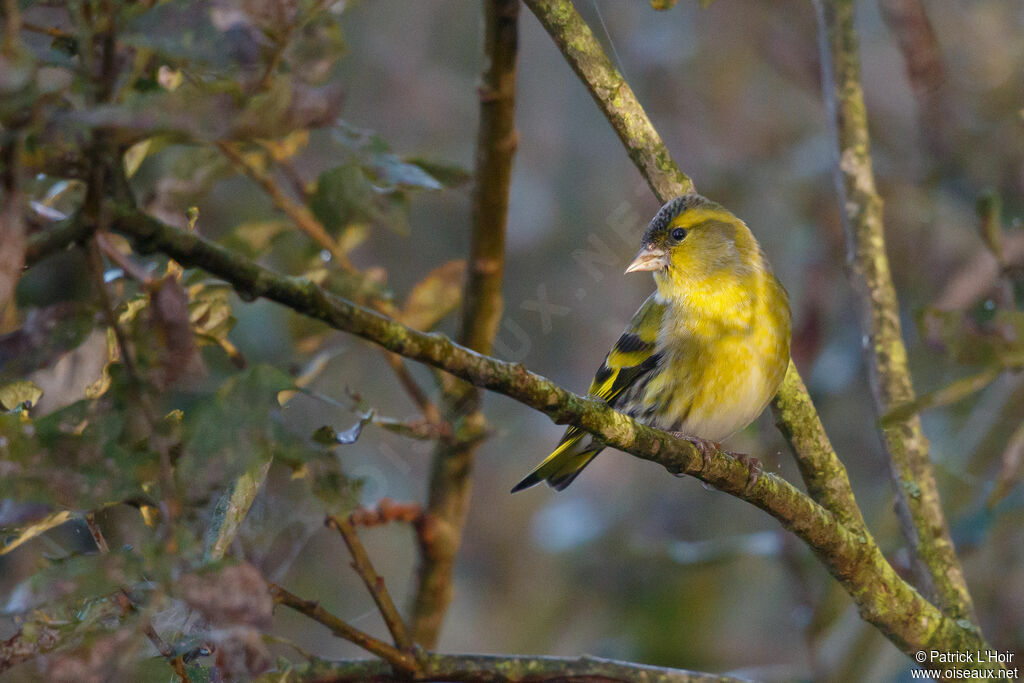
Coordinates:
630	562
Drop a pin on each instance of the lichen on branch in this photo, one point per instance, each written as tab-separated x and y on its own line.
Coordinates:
922	520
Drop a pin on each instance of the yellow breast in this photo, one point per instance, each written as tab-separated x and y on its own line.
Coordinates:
726	348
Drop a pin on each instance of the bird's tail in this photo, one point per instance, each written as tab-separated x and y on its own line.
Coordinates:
564	464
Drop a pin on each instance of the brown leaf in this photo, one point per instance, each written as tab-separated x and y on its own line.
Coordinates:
12	245
435	296
235	595
241	654
169	313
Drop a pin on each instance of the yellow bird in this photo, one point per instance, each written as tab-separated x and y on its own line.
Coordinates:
708	349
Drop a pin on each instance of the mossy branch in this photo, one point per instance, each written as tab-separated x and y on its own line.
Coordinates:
823	473
495	669
922	520
851	555
613	96
452	461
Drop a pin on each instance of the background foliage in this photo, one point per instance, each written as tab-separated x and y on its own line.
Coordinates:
360	118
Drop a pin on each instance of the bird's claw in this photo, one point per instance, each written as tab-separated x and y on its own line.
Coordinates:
754	467
705	447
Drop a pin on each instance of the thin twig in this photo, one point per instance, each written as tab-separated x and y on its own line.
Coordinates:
97	533
299	214
51	31
374	582
922	520
385	512
130	267
402	661
177	662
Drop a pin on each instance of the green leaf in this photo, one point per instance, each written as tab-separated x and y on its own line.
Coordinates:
951	393
343	195
448	174
17	394
80	457
392	172
232	509
232	431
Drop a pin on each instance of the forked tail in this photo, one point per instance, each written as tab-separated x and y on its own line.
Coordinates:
564	464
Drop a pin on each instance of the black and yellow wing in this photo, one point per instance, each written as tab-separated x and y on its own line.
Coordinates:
632	357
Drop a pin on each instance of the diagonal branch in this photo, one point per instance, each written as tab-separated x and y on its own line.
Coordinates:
851	555
922	520
452	462
374	582
401	661
823	473
614	97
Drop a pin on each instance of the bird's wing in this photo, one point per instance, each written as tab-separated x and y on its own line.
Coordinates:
633	355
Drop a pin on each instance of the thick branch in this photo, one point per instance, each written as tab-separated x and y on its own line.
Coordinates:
56	238
852	556
822	470
824	475
922	520
452	463
498	669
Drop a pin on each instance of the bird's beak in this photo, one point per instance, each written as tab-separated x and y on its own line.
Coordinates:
649	258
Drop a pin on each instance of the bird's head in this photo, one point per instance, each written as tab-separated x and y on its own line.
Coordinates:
692	240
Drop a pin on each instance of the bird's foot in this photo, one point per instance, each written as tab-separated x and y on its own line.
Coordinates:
705	447
754	467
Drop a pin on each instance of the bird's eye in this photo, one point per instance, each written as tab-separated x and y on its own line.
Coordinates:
678	234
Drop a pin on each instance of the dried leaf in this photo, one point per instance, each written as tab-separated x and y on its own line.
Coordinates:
241	654
435	296
287	147
17	394
12	538
989	207
169	313
135	155
233	595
